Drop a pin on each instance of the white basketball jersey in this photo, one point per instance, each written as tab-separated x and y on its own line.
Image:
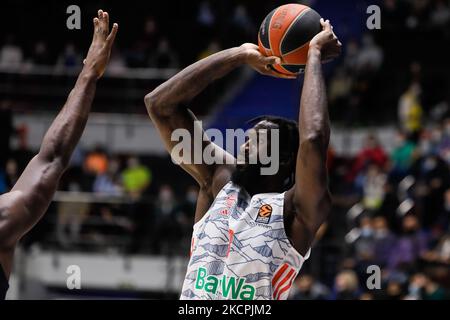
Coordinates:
240	250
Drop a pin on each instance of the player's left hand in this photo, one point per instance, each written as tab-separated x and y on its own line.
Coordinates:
327	42
259	62
100	50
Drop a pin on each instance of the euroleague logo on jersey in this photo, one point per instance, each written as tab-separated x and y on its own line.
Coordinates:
264	213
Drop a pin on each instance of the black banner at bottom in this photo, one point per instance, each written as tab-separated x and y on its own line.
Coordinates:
195	310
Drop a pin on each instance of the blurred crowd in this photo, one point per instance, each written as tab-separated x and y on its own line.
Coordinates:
156	45
380	65
397	219
109	202
394	205
405	53
143	218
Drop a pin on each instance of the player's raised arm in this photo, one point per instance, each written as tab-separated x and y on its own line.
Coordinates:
310	198
34	190
167	108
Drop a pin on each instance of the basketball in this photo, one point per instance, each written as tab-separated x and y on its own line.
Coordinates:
286	32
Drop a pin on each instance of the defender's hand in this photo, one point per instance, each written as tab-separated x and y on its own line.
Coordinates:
326	42
255	59
100	49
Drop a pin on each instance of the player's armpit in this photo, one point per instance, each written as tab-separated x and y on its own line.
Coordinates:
302	221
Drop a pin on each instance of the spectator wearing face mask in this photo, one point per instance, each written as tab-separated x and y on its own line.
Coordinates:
364	245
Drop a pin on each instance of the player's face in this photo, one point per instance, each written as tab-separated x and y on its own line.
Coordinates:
257	143
248	172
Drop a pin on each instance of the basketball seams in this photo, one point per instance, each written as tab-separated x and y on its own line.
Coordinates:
266	40
280	38
266	50
287	71
298	17
283	70
270	27
296	49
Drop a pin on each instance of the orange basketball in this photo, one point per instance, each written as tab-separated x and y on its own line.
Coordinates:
286	33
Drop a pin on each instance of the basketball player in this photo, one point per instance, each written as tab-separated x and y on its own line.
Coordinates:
28	200
252	232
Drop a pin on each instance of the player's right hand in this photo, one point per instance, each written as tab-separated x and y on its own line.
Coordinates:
100	49
259	62
327	42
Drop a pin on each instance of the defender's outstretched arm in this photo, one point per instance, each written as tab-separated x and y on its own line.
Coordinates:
310	198
33	192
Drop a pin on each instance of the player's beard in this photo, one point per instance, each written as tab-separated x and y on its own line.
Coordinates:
247	176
